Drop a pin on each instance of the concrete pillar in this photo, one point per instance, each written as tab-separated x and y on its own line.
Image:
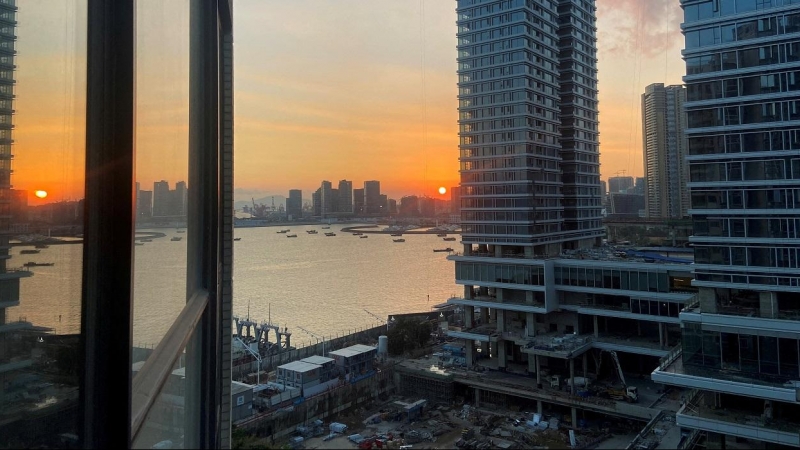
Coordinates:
469	316
530	324
708	300
493	349
498	293
538	371
585	364
484	315
661	334
539	405
477	398
500	316
769	304
666	335
529	297
572	375
498	251
502	356
484	349
574	418
469	352
468	292
529	252
467	249
531	364
596	327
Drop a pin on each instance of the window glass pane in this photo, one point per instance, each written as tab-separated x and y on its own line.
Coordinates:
162	118
41	246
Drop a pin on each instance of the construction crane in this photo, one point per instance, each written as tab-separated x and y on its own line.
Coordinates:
315	337
627	393
255	355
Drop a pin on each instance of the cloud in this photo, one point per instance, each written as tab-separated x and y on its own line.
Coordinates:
643	27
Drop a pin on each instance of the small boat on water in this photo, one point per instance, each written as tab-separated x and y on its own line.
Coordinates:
326	228
397	234
35	264
176	238
442	235
330	234
237	239
291	235
363	237
29	252
449	239
311	231
283	231
357	234
448	250
398	240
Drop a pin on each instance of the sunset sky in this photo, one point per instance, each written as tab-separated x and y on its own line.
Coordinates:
324	89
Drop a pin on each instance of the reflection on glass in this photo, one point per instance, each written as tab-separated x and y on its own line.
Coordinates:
162	155
165	422
42	115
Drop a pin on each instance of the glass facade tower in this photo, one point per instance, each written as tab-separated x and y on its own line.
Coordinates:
740	343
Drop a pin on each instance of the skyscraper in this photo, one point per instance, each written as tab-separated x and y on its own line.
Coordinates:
664	144
455	200
326	199
161	199
180	199
619	185
294	204
345	203
740	343
529	128
144	205
358	201
372	197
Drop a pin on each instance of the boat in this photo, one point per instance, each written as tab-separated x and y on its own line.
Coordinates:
42	246
398	240
181	231
35	264
237	239
311	231
29	252
357	234
448	250
283	231
449	239
326	228
291	235
363	237
442	235
330	234
176	238
397	234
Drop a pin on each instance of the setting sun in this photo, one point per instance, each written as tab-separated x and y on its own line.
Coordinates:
40	194
442	190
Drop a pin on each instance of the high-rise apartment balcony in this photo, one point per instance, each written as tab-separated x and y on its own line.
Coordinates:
518	305
558	345
673	371
747	424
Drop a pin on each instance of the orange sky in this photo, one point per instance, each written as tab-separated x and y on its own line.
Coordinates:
323	90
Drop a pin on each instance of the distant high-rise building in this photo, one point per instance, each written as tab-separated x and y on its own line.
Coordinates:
638	186
619	185
455	200
623	204
345	197
358	201
294	204
409	206
162	199
392	206
144	205
604	191
316	203
664	142
180	199
372	197
327	201
383	204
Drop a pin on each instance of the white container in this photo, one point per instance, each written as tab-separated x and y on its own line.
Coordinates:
383	345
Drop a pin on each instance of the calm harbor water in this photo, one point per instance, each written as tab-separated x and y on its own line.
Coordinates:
319	283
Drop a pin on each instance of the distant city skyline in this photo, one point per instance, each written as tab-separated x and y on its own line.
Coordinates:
300	121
